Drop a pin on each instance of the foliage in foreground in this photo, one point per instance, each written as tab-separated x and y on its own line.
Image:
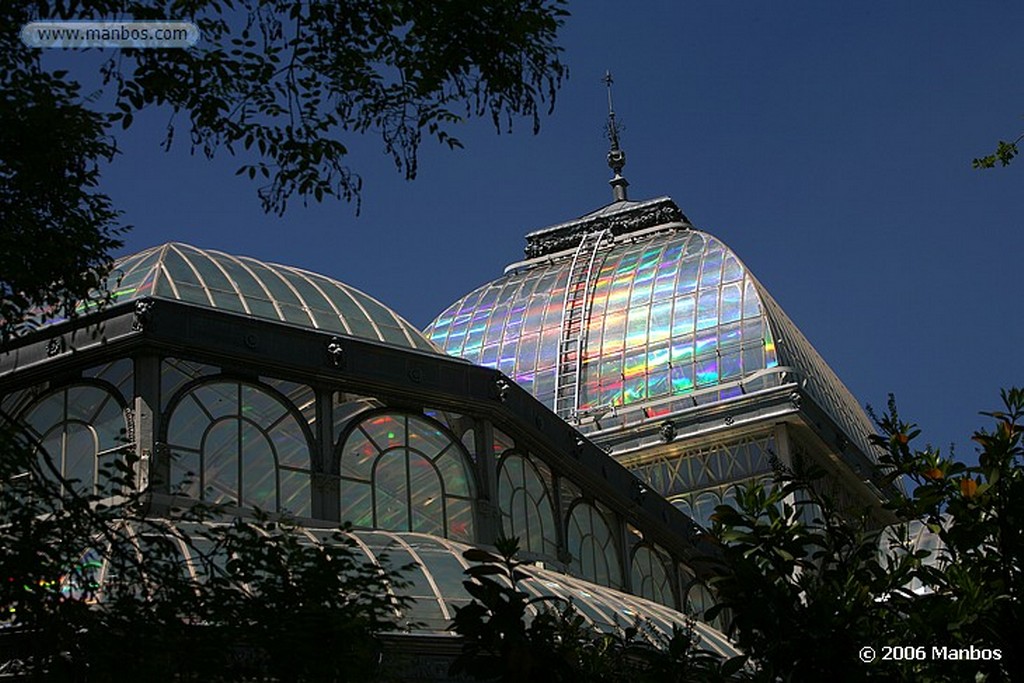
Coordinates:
1003	154
93	590
807	597
807	585
284	84
502	641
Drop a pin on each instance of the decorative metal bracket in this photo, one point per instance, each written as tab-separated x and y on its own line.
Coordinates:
667	432
129	421
335	352
143	314
639	492
55	347
501	388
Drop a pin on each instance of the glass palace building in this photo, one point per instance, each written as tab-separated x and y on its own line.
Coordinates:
597	400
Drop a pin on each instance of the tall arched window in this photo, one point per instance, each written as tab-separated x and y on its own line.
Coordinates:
239	444
590	540
82	430
650	576
526	506
699	599
406	473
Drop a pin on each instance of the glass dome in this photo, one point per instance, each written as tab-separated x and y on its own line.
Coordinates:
668	316
261	290
630	306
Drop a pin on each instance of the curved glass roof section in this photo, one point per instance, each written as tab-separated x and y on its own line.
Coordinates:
819	380
671	314
436	582
263	290
437	585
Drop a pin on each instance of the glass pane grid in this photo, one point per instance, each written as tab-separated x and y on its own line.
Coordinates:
251	287
82	431
229	442
405	472
671	315
685	472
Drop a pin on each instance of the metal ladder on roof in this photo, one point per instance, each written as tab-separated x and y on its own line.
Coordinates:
575	311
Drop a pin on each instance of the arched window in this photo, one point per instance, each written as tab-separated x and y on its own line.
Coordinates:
239	444
82	430
650	576
406	473
704	506
590	540
682	503
731	496
699	599
526	506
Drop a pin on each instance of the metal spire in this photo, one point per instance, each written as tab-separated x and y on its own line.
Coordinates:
616	157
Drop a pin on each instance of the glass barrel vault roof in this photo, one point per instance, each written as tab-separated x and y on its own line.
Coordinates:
263	290
435	577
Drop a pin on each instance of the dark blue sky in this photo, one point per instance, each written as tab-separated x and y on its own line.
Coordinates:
828	144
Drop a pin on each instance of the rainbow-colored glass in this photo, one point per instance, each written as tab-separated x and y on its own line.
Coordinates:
668	315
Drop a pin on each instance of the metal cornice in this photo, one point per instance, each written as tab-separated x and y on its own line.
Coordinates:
694	426
95	335
618	218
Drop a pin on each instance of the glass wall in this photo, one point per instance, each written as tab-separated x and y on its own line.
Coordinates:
650	575
241	444
595	555
81	432
248	441
699	599
700	506
673	473
403	472
527	507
